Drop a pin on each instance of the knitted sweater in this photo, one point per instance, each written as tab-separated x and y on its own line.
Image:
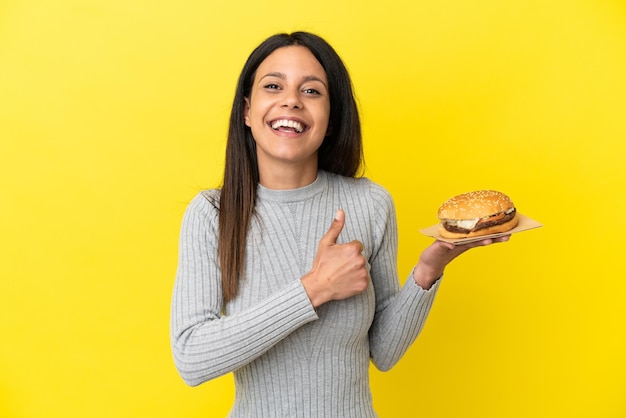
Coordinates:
289	359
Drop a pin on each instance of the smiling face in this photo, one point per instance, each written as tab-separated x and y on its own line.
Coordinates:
288	112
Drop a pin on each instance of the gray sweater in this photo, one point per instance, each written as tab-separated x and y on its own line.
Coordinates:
289	359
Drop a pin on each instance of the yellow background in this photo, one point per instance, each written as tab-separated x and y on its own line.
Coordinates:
113	116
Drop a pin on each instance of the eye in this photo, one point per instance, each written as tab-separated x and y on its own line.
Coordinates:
271	86
312	91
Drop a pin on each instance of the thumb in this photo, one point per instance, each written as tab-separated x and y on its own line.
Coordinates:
335	228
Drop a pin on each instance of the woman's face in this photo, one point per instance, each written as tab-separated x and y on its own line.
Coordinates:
288	109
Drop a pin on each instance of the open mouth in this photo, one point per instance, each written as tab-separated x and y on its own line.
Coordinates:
286	125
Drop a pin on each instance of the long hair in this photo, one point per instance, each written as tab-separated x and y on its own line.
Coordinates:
341	151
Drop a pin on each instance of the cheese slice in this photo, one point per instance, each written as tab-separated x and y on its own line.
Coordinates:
463	223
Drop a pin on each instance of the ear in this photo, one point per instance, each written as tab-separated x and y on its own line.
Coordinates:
246	111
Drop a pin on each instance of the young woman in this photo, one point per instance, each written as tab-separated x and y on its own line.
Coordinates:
287	273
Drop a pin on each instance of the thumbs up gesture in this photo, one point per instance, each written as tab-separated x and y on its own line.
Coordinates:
339	270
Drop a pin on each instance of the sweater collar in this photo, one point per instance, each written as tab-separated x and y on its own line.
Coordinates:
294	195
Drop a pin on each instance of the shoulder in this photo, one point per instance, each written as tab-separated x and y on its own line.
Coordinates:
204	206
211	196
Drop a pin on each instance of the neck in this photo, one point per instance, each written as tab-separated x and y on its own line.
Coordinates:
287	177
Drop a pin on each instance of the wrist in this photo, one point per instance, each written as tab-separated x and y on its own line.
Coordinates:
425	277
314	291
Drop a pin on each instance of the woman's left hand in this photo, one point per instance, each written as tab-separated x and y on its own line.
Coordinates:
439	254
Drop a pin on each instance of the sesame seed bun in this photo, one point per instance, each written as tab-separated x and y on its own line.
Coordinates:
478	204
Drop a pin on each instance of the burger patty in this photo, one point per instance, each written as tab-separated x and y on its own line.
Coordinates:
480	225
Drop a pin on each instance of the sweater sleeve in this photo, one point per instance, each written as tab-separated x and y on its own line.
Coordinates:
400	312
205	343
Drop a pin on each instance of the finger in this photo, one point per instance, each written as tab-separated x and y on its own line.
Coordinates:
448	245
504	238
358	244
488	241
335	229
479	243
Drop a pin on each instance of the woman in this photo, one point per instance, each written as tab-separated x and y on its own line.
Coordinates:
287	274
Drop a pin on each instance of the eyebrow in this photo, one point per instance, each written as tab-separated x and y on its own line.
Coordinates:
283	76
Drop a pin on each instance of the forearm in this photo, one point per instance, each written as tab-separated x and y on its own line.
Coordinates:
205	348
398	325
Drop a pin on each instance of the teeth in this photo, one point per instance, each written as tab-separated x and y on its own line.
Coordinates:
284	123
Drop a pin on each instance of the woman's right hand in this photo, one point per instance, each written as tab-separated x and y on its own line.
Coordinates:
339	270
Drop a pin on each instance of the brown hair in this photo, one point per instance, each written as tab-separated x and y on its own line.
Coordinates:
341	152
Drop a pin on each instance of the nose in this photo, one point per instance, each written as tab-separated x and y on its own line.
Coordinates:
291	99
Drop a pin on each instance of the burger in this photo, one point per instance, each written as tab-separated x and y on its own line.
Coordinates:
478	213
